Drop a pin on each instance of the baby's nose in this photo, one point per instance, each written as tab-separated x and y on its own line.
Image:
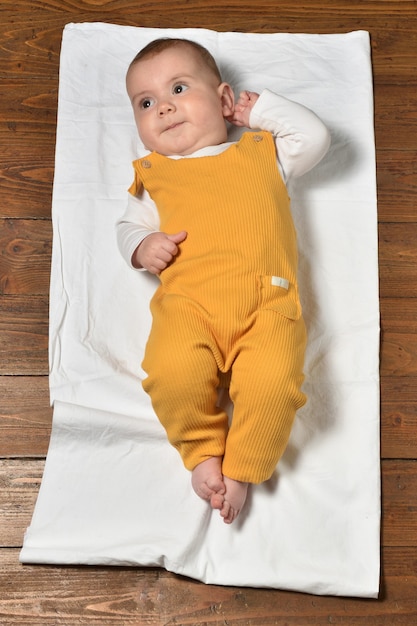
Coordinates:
165	107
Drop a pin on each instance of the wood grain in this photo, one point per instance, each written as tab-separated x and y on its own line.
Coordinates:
42	596
23	335
25	416
25	258
399	418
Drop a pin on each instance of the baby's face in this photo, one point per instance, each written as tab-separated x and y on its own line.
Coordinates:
179	106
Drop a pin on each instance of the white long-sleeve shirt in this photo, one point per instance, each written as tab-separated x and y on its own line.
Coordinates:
301	140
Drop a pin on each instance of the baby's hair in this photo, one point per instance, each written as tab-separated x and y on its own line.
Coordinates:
164	43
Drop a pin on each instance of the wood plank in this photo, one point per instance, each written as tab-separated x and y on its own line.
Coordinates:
399	489
20	480
398	315
291	16
398	418
395	107
25	416
397	185
24	335
399	354
19	485
41	595
26	170
33	102
25	260
398	383
398	260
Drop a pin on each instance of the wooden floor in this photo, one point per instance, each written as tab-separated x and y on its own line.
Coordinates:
30	35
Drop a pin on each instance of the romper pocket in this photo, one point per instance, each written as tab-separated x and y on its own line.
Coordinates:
278	294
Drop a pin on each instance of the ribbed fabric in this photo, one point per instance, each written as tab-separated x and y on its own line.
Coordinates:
218	307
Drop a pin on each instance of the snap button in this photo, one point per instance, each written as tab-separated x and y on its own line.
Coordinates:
146	164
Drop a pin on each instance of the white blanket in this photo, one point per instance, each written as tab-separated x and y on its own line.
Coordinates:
114	492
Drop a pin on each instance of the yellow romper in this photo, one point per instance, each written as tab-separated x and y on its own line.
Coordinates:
228	303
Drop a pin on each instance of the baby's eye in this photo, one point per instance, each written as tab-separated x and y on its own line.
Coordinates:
179	88
146	103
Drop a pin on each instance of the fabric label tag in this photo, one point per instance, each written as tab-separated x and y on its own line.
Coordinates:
277	281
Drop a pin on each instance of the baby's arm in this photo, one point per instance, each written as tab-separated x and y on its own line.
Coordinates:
157	251
300	136
243	108
140	242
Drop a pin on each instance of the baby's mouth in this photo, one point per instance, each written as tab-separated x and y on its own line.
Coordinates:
173	126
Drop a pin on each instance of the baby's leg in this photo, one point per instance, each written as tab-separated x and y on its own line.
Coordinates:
182	380
223	493
234	499
207	481
266	391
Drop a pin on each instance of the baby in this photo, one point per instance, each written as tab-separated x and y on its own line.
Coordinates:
212	219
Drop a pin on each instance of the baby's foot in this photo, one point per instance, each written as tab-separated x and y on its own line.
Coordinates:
234	499
207	481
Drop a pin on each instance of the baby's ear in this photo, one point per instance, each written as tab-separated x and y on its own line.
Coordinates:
227	99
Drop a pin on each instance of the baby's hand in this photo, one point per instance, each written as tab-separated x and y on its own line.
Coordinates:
243	107
157	251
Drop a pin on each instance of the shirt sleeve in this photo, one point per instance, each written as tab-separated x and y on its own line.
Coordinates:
138	221
301	138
